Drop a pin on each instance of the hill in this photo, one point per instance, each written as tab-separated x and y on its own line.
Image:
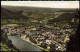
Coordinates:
64	17
42	9
6	44
7	14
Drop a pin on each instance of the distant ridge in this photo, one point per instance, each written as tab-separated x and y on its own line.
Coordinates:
42	9
7	14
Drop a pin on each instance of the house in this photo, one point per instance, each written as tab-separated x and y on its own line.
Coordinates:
48	47
33	29
48	41
43	33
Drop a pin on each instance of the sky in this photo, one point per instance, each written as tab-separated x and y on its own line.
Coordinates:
49	4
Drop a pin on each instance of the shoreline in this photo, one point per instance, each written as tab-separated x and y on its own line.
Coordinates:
24	42
35	44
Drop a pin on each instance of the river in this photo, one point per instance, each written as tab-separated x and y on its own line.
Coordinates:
23	45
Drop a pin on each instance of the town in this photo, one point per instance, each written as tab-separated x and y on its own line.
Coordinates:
41	37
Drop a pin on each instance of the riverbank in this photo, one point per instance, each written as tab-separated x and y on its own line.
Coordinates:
27	39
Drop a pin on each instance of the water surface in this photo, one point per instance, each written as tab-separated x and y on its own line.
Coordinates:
22	45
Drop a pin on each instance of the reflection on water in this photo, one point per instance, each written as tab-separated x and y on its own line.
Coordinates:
22	45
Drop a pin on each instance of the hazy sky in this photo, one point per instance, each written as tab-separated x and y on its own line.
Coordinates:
50	4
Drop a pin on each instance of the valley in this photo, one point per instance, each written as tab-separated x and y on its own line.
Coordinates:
47	30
